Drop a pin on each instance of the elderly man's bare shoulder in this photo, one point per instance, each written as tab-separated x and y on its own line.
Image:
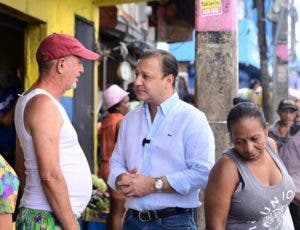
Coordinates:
40	111
41	103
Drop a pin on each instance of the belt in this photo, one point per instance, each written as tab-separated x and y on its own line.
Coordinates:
152	215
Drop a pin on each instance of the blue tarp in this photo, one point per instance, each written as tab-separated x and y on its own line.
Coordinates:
184	51
247	45
248	49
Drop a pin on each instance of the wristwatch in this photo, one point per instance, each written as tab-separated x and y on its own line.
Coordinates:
158	184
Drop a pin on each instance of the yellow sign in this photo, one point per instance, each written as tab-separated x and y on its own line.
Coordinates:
209	4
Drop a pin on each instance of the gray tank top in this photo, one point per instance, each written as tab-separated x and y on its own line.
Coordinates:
257	206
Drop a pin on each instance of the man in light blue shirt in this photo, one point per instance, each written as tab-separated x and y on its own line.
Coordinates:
164	152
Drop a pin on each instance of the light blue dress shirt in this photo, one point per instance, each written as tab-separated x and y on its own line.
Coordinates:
181	148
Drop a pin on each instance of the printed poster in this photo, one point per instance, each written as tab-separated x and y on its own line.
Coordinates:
211	7
216	15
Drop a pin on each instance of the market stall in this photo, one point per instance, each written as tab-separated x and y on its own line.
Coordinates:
95	214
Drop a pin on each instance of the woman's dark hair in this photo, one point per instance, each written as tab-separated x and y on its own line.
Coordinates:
237	100
131	95
245	110
169	62
114	108
253	83
130	90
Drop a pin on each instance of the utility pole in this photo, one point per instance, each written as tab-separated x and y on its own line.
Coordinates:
263	50
294	19
281	55
216	67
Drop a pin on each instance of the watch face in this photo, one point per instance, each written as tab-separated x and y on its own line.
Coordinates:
158	184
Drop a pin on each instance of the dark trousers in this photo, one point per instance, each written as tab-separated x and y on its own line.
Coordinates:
295	213
180	221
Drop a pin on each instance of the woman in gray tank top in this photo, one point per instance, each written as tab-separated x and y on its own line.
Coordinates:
249	187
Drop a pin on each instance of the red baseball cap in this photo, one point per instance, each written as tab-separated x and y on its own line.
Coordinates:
61	45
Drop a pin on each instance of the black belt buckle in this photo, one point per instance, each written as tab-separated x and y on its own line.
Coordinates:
145	216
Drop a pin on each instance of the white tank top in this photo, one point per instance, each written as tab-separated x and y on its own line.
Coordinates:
73	162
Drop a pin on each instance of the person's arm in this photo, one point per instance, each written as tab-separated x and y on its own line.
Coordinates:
297	199
222	183
6	222
20	171
43	122
199	155
19	166
137	185
7	118
117	160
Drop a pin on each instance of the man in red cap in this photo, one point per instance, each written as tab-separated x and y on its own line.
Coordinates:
54	173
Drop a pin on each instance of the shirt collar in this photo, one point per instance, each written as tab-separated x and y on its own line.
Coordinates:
167	104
